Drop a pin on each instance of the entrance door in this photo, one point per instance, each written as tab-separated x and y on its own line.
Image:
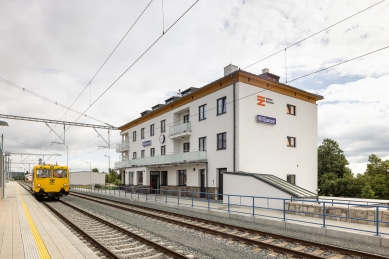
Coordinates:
154	181
221	171
202	183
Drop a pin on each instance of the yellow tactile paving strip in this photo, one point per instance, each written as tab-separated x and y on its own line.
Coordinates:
16	238
44	254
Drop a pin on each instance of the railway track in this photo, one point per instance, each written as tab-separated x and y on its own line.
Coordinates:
113	239
295	248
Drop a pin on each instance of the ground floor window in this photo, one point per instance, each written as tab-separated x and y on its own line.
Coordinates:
164	178
182	177
291	178
140	177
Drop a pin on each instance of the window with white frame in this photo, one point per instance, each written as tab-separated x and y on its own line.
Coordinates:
142	133
291	178
221	141
291	141
163	150
221	105
182	177
133	155
152	151
186	118
152	130
203	144
291	109
186	147
142	153
134	136
163	126
202	112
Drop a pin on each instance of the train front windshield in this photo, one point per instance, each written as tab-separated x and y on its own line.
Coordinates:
60	173
43	173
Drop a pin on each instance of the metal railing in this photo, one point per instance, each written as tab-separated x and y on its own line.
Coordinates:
180	128
166	159
122	146
376	219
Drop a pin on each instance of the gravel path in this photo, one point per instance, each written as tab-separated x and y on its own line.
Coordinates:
280	231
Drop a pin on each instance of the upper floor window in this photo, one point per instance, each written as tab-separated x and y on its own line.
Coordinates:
203	144
163	126
186	118
152	151
142	154
291	109
134	155
163	150
142	133
221	105
186	147
291	178
134	136
222	141
202	112
152	130
291	141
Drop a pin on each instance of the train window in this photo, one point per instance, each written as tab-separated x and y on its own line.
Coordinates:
60	173
43	173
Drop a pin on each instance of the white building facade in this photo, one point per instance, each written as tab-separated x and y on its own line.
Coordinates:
241	122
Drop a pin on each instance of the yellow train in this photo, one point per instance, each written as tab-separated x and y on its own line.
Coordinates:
50	181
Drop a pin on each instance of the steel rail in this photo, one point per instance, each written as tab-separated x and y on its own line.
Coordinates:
128	233
100	246
340	250
214	232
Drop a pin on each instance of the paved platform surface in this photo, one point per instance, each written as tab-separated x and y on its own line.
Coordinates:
29	230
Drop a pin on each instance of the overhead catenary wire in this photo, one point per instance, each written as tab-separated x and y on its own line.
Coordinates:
310	36
139	58
246	96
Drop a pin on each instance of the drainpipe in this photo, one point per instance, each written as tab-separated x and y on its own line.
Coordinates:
234	125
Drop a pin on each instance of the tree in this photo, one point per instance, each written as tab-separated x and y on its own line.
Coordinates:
377	178
331	159
95	170
112	177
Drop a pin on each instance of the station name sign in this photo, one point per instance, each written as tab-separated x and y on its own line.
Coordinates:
146	143
265	119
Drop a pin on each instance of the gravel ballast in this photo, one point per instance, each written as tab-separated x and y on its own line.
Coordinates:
352	245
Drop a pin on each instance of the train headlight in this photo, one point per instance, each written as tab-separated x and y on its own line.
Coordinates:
38	184
64	184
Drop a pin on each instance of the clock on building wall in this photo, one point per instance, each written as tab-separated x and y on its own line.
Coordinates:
162	139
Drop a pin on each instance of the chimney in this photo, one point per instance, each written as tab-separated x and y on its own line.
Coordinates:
269	76
230	69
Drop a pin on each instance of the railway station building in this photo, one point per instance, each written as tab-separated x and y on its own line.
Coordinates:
244	133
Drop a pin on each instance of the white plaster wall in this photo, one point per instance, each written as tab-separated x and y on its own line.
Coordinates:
87	178
262	147
206	128
250	186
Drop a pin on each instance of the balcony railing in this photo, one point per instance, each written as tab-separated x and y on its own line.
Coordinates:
122	146
167	159
180	129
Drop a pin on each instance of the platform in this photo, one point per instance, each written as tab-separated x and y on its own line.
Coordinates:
29	230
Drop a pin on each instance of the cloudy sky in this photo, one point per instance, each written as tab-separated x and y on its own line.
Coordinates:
54	48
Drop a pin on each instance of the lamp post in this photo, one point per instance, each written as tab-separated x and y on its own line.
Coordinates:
2	161
90	172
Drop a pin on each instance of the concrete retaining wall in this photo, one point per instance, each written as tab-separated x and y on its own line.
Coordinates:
351	214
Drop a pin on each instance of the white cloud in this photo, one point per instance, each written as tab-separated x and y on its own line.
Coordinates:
54	48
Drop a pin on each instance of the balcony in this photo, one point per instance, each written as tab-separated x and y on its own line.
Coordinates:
182	130
122	146
171	159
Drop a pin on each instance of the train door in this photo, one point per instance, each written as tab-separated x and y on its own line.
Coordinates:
155	181
202	183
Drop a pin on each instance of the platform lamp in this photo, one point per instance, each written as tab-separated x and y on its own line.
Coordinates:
2	123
